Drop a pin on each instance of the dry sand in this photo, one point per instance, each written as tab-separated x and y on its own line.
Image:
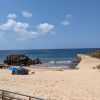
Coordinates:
78	84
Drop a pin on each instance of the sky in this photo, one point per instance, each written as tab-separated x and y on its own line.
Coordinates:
49	24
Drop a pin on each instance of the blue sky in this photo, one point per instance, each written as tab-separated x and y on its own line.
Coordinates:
49	24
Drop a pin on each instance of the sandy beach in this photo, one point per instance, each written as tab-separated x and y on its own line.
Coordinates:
76	84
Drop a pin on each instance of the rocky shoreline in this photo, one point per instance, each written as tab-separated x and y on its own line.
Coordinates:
20	59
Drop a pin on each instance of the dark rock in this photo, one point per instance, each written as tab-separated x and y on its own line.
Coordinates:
20	59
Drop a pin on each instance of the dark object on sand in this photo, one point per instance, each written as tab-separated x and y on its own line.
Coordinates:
95	54
1	66
20	59
98	66
4	66
20	71
32	72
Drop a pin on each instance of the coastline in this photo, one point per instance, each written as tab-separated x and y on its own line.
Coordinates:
80	84
49	54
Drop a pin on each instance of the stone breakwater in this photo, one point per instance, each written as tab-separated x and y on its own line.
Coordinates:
87	62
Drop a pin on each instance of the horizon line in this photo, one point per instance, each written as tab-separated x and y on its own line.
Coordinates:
49	49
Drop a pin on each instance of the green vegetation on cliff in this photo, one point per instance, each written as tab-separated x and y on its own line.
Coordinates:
95	54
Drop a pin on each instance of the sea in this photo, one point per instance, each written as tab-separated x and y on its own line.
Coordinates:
52	56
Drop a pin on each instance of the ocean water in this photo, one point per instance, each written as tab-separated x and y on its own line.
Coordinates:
48	54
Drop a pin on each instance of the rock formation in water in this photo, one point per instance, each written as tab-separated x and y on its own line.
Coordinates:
20	59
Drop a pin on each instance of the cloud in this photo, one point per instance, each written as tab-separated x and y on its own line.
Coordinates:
10	24
18	27
27	35
13	25
12	16
45	28
22	29
65	23
26	14
68	15
41	29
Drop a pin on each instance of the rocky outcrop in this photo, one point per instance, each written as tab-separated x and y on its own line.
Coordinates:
95	54
20	59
